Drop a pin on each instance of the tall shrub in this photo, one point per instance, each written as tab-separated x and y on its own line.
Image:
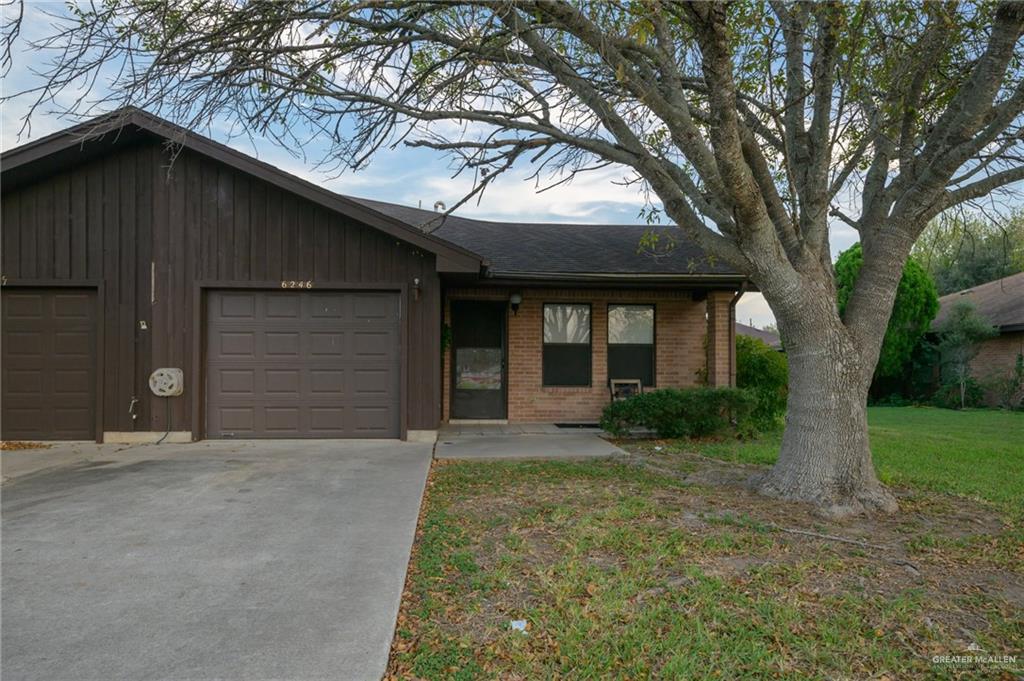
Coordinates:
916	304
960	335
763	371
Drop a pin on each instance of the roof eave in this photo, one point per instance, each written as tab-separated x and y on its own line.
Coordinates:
618	278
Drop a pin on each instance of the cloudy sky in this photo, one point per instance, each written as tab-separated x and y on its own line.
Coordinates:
401	175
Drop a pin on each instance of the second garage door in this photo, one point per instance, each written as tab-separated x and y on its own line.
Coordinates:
49	360
284	364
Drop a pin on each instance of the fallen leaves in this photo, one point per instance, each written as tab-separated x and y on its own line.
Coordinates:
11	445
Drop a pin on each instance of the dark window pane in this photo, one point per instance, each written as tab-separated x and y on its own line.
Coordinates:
566	323
632	361
630	324
477	324
566	364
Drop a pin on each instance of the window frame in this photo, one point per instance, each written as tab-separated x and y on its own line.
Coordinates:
653	344
589	344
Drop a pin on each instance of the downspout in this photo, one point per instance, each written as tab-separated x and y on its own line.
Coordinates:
732	332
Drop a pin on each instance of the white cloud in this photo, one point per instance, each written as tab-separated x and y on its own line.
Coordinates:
514	196
753	309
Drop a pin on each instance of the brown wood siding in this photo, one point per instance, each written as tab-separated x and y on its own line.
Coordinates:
198	220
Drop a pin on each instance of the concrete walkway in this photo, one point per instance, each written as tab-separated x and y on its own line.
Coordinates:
216	560
525	441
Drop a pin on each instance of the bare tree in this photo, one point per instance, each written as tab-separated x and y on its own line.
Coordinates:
752	123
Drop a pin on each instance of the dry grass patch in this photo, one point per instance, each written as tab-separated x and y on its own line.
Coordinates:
630	570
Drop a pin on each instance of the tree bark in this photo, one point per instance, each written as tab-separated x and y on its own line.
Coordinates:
825	458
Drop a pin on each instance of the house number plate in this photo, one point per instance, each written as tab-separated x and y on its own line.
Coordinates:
308	283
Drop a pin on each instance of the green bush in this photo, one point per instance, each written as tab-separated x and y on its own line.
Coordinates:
916	305
890	400
765	372
689	412
948	396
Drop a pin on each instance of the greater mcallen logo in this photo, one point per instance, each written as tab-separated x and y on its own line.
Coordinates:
975	655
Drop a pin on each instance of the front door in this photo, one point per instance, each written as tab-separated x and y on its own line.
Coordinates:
478	366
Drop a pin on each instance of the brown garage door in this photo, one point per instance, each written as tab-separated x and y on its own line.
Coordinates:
302	364
49	364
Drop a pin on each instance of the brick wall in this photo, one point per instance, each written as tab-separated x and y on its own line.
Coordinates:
996	358
721	345
681	357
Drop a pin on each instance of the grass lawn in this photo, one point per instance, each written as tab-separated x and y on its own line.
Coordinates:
643	568
976	453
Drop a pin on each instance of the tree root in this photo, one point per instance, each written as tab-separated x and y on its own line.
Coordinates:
831	504
755	482
830	537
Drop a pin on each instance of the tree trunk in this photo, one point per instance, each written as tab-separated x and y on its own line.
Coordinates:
825	457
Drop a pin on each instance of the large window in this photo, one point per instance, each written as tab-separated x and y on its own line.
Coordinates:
631	342
566	344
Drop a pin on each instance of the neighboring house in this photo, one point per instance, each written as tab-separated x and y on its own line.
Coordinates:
770	338
1001	302
131	244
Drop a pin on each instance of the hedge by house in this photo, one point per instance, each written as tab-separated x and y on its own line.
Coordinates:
689	412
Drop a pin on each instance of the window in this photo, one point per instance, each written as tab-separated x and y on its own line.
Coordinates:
631	342
566	344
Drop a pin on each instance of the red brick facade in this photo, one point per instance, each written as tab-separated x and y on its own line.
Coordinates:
682	358
996	358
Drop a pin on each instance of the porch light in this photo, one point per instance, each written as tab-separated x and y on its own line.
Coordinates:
514	300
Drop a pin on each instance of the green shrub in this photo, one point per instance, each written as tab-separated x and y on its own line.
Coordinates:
765	372
916	305
689	412
949	395
890	400
961	334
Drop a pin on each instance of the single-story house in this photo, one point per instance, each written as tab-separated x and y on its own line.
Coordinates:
769	338
283	310
1001	303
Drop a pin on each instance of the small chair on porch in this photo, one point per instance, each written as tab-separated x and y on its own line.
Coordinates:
622	388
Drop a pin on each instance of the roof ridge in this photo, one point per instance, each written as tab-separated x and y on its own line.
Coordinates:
118	120
984	285
486	221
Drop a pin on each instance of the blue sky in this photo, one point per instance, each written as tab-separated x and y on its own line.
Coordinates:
401	175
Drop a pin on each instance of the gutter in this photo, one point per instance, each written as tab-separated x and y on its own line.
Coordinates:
616	276
732	332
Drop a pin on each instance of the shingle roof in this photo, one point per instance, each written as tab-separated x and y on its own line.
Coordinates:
1001	302
506	249
772	339
522	248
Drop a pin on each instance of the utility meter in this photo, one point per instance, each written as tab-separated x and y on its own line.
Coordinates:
167	382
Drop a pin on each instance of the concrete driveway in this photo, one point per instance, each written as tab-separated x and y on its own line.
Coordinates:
227	560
